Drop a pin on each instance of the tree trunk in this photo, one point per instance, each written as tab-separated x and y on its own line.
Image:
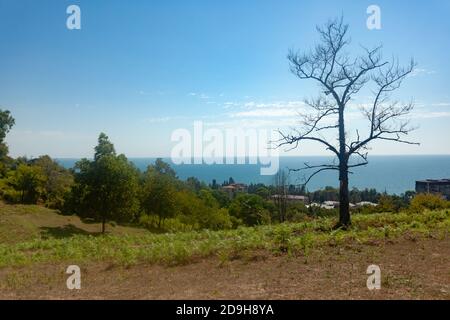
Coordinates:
103	225
344	210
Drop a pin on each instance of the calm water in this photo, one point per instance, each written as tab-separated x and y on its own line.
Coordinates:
395	174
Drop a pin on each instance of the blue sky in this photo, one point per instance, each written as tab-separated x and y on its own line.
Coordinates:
138	70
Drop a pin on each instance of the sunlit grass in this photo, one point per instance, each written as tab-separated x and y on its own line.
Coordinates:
185	247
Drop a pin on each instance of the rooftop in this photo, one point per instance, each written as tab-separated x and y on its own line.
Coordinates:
290	197
434	181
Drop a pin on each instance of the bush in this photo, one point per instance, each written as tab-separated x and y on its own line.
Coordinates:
423	201
25	184
251	209
203	211
58	182
10	195
296	212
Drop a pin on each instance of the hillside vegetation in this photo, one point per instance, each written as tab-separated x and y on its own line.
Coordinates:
19	223
32	234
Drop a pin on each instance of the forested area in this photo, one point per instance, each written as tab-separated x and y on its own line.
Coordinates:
110	189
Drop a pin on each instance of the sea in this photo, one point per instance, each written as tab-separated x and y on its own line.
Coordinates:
391	174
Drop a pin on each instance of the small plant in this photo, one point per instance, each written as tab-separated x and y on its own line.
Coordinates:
282	238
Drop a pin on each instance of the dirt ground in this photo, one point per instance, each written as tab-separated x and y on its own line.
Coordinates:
409	270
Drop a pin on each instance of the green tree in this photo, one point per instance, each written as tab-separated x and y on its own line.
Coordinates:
263	192
222	198
28	181
104	147
194	184
251	209
6	123
159	194
58	181
386	204
212	216
202	211
162	167
106	189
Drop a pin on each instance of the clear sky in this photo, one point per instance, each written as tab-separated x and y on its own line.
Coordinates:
138	70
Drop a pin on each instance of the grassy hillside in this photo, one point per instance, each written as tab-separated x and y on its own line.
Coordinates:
19	223
31	234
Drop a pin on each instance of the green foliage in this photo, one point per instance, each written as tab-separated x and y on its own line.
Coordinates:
282	236
25	184
40	180
326	194
370	195
180	206
263	192
251	209
6	123
221	197
158	193
110	188
163	168
107	188
194	184
185	247
104	147
203	211
58	182
386	204
296	212
423	201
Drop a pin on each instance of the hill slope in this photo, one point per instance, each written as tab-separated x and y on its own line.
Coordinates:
19	223
291	260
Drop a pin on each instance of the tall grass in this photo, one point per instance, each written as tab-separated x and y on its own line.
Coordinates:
185	247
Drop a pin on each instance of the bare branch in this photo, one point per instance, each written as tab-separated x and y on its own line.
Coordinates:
315	173
294	140
308	166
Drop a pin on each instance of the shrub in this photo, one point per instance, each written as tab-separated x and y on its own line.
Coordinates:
423	201
25	184
251	209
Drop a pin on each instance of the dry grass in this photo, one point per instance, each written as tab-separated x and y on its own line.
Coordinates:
305	260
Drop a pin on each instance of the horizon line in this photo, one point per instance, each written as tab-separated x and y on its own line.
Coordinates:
282	156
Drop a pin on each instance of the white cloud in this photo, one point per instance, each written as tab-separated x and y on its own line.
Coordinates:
272	109
158	119
202	96
269	112
253	123
421	71
230	104
430	115
147	93
440	104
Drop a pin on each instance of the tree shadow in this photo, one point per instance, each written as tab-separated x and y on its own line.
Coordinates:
66	231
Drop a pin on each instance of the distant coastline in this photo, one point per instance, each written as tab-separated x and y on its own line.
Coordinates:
394	174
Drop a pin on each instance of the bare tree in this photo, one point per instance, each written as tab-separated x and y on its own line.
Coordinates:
340	77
